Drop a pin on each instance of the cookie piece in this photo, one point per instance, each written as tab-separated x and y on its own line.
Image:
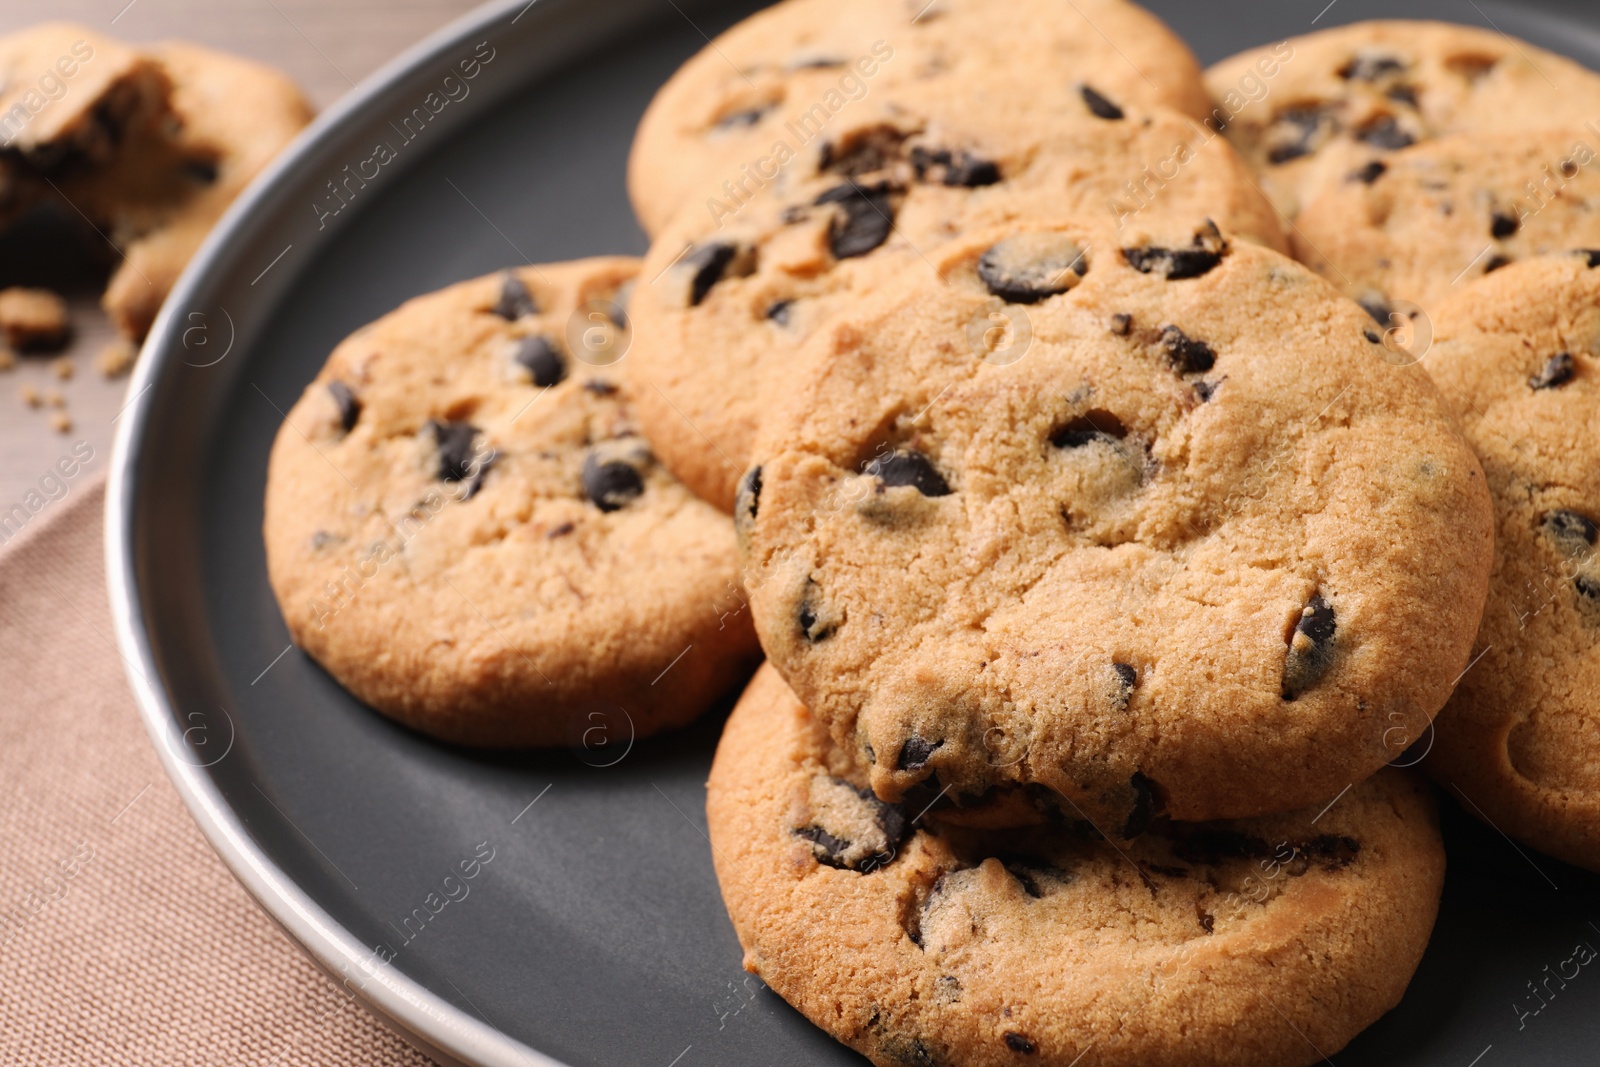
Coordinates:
1347	97
1518	353
34	320
476	540
69	99
1187	541
1433	218
1264	942
778	84
160	199
731	298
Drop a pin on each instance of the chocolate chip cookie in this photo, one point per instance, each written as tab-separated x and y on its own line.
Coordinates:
1427	221
1264	942
465	528
1519	355
725	303
1348	97
1166	529
776	86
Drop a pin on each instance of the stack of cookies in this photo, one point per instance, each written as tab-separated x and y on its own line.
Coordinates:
1110	564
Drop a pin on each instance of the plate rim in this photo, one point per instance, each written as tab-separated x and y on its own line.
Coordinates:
406	1006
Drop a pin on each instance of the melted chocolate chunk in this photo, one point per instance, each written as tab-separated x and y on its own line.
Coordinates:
1587	586
1591	256
1371	67
1378	308
1495	263
1503	224
1370	173
1186	355
1127	674
1557	371
1206	390
958	168
458	460
1207	846
747	498
813	626
710	263
778	312
1176	264
1310	648
909	467
1098	105
915	752
600	387
1208	922
539	355
1403	94
1088	428
1385	133
349	405
1333	851
865	152
1029	267
743	118
1020	1043
864	221
835	851
1121	324
1295	133
203	171
515	301
610	484
1574	534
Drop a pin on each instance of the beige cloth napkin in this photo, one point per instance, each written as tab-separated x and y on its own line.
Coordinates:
123	939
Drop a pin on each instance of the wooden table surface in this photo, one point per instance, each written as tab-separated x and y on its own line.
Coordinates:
325	45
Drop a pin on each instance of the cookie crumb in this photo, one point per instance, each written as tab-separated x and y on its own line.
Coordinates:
34	319
7	359
61	422
55	398
63	368
116	358
30	396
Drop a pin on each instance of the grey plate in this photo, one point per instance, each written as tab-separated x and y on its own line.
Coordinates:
595	934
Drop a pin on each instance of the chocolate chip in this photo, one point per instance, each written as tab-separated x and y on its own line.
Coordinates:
1371	67
1558	370
539	355
1207	846
1186	355
1127	676
710	263
1033	876
1206	390
1372	337
860	809
1208	922
1495	262
1587	586
600	387
955	168
1384	132
1088	428
909	467
515	300
915	752
1295	133
1503	224
1029	267
1377	307
1098	105
1370	173
1591	256
779	312
349	406
747	498
561	531
1403	94
1121	324
1176	264
864	221
864	152
1020	1043
1310	648
1573	533
1143	811
815	62
814	626
743	118
610	484
458	458
204	171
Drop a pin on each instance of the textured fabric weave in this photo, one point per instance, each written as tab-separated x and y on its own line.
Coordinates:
123	939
